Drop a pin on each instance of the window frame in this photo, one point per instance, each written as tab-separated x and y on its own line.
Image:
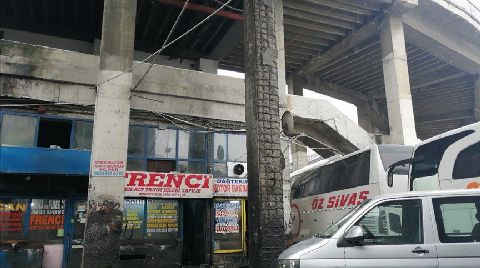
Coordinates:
455	175
243	228
224	162
419	201
438	217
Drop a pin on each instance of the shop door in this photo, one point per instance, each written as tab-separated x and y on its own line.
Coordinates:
196	232
75	235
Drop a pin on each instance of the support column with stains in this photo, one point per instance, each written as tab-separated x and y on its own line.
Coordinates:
265	191
397	82
110	136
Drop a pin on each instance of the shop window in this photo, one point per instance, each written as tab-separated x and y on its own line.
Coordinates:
237	148
219	147
54	133
136	140
82	136
229	226
12	219
18	130
135	165
191	145
133	219
219	170
194	167
161	143
162	219
165	166
46	220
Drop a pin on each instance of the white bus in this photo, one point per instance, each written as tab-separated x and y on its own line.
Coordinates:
448	161
323	193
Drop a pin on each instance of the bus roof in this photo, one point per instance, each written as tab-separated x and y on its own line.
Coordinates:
474	126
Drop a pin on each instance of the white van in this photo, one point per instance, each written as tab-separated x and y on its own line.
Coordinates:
413	229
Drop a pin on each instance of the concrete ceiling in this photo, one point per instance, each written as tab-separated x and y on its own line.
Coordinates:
326	41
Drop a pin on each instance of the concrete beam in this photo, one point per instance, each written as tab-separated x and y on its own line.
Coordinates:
358	37
367	108
64	76
448	46
320	119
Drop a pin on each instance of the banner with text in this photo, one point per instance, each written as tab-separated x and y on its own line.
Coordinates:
230	187
168	185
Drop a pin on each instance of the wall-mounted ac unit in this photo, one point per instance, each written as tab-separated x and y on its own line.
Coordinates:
237	169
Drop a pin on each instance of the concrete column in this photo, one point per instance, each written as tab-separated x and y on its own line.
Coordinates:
295	85
280	37
265	206
363	118
397	83
207	66
299	156
279	29
110	136
476	110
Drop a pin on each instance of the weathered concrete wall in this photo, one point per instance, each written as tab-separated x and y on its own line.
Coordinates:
47	40
58	75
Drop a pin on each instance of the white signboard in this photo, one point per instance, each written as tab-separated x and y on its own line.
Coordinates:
230	187
108	168
168	185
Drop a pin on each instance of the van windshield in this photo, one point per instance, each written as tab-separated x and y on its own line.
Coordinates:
335	227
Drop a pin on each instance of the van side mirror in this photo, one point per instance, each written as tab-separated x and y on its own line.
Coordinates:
355	234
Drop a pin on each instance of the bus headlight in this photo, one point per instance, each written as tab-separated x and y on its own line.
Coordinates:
288	263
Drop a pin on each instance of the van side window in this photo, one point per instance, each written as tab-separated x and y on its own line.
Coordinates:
393	223
466	164
458	219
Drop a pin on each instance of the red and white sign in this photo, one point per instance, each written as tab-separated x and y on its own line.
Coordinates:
108	168
344	200
230	187
168	185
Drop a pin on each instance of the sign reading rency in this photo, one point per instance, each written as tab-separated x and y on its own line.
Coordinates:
168	185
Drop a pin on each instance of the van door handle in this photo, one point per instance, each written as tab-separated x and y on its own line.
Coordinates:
419	250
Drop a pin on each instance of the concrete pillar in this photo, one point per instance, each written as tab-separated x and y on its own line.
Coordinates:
207	66
110	136
299	156
476	110
363	118
295	85
265	206
397	83
284	145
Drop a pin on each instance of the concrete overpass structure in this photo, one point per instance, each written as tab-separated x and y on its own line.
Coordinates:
410	66
337	48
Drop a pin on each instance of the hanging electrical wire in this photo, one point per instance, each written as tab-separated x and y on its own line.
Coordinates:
228	6
159	51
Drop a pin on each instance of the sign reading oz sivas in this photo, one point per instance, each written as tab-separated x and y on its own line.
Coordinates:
344	200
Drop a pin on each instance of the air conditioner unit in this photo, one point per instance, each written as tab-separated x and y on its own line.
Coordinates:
237	169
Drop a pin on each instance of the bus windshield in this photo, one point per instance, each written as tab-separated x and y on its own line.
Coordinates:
330	231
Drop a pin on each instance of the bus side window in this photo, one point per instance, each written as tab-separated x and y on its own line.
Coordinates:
467	163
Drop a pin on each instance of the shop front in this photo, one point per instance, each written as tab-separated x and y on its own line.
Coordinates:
174	213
